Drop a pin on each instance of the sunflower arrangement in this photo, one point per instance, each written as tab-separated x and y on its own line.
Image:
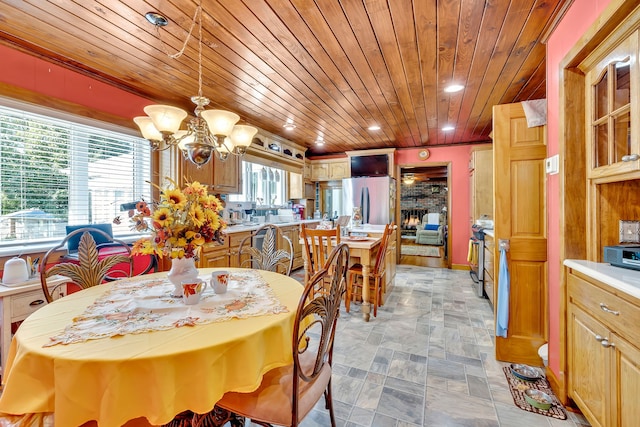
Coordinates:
181	222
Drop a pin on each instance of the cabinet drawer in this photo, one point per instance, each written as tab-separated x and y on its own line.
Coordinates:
25	304
593	299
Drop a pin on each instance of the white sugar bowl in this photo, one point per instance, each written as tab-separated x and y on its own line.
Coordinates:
15	271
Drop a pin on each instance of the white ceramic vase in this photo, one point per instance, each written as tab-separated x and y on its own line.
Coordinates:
182	269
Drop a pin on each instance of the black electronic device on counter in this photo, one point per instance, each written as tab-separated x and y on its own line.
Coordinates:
624	256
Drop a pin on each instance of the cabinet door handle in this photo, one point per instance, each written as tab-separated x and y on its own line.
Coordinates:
600	338
606	309
36	303
630	157
607	344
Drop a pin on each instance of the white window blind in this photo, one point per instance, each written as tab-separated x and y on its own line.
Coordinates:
55	172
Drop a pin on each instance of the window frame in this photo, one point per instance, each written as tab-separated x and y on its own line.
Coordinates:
141	182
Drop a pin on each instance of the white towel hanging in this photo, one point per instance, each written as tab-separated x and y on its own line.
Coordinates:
536	112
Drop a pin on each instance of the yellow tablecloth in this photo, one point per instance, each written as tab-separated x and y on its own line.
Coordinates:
154	375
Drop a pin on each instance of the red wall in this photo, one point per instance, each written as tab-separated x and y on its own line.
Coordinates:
577	20
459	196
21	70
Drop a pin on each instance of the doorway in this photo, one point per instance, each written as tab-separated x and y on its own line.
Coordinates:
423	215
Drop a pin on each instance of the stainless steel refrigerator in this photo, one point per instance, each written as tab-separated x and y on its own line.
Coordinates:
376	197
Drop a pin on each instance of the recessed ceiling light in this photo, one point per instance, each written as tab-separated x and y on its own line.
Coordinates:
448	128
319	141
374	127
289	125
453	88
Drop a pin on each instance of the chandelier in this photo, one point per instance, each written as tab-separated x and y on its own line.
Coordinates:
209	132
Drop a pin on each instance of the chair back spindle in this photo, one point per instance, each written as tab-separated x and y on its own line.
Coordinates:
275	253
90	268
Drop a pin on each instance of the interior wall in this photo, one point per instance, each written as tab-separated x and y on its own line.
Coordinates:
51	80
576	21
459	198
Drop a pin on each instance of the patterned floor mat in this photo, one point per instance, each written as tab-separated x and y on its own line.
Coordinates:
518	386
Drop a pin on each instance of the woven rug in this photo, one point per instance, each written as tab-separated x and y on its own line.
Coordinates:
518	386
421	250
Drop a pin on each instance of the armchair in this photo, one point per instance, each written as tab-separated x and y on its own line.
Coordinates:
431	230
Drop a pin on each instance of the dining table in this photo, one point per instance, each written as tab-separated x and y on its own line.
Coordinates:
127	350
362	250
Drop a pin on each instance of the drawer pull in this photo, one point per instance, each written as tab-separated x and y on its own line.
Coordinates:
606	309
630	157
36	302
607	344
600	338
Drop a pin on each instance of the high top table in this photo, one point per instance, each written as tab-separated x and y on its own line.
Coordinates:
153	375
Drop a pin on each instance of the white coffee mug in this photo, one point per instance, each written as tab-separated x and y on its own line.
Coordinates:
219	281
192	291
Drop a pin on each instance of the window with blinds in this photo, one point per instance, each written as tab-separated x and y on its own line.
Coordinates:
56	172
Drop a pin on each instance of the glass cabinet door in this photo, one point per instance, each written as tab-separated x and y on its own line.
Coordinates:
611	133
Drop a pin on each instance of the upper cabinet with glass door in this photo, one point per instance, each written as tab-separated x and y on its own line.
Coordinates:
612	109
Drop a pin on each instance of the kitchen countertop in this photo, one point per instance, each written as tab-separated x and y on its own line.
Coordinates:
239	228
623	279
367	228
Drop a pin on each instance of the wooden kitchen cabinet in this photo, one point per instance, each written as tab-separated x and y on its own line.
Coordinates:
293	233
223	177
603	360
329	170
481	182
227	177
234	245
612	108
319	171
296	186
214	255
339	170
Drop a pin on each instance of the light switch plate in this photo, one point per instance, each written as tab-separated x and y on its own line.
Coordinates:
551	164
629	231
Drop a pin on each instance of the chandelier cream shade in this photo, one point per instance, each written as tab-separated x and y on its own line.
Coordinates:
209	132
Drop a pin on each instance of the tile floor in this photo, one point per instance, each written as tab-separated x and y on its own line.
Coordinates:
426	360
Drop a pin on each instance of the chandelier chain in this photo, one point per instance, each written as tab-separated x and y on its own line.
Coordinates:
179	53
200	52
199	141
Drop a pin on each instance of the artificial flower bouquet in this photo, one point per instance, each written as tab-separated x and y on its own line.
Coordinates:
180	223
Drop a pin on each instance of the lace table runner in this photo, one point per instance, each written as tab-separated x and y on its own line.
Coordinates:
138	305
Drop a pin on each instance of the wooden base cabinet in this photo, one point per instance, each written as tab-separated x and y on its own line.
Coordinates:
293	233
603	359
214	255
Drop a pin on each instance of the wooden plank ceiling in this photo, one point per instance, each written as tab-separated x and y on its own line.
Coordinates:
333	67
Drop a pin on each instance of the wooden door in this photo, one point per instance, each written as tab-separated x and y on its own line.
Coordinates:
520	219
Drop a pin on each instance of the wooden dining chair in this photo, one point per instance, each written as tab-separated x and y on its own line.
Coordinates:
274	254
376	276
91	265
318	244
287	394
